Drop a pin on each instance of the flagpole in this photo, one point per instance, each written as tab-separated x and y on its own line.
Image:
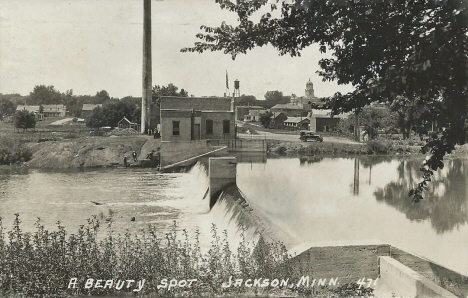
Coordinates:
226	94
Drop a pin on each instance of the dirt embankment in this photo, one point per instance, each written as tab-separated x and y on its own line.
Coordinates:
90	152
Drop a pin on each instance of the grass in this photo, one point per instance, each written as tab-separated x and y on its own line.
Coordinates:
41	264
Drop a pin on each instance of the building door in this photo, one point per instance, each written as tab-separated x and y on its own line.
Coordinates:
196	132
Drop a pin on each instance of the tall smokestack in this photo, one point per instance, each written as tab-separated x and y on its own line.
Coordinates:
147	73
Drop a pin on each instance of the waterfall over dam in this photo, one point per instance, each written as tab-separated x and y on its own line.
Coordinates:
229	209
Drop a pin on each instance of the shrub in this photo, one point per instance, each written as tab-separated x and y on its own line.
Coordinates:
42	264
379	147
13	150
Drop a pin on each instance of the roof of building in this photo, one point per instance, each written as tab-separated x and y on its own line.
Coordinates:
53	106
296	119
27	108
287	106
90	106
309	84
125	119
252	107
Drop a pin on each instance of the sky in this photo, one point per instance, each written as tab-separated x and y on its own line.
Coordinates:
93	45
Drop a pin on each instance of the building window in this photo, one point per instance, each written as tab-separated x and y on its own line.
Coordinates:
209	126
226	126
175	128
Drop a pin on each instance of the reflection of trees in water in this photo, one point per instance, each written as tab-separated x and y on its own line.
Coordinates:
366	162
445	202
309	160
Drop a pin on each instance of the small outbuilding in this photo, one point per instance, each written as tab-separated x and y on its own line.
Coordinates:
125	123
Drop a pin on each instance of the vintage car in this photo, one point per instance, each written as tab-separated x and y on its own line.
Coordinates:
306	135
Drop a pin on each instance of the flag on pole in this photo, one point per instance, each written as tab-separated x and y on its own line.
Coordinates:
227	80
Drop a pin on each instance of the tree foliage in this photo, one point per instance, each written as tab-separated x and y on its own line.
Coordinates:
43	94
265	119
246	100
273	98
7	108
416	49
25	120
169	90
110	114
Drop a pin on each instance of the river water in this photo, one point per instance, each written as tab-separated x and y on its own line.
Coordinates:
314	201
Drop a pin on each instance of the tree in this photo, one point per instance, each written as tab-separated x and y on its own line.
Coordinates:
416	49
246	100
273	98
25	120
110	114
43	94
97	119
265	119
7	108
102	96
408	111
169	90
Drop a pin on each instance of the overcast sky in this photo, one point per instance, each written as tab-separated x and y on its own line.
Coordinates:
90	45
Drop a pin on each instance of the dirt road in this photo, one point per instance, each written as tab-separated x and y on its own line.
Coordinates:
292	137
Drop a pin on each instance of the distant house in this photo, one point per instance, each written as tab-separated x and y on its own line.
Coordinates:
290	110
254	115
125	124
242	111
277	120
87	110
54	110
297	123
196	118
31	109
321	120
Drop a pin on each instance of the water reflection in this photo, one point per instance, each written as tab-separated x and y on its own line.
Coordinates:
444	203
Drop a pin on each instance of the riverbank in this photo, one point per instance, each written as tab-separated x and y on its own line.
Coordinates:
89	152
324	148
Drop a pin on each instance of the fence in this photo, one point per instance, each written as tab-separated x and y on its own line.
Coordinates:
44	134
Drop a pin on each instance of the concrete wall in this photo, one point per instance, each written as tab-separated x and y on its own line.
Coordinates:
347	263
448	279
185	125
222	173
172	152
218	118
239	145
196	103
405	282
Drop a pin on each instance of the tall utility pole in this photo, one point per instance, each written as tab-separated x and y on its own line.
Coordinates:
147	71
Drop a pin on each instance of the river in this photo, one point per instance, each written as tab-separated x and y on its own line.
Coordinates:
315	201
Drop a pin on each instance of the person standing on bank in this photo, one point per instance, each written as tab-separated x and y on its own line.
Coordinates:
134	154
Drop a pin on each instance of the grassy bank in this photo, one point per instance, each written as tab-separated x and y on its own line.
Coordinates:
43	263
89	152
325	148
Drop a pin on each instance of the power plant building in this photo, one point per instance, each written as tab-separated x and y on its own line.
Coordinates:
196	118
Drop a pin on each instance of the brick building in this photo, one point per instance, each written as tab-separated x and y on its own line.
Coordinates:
196	118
